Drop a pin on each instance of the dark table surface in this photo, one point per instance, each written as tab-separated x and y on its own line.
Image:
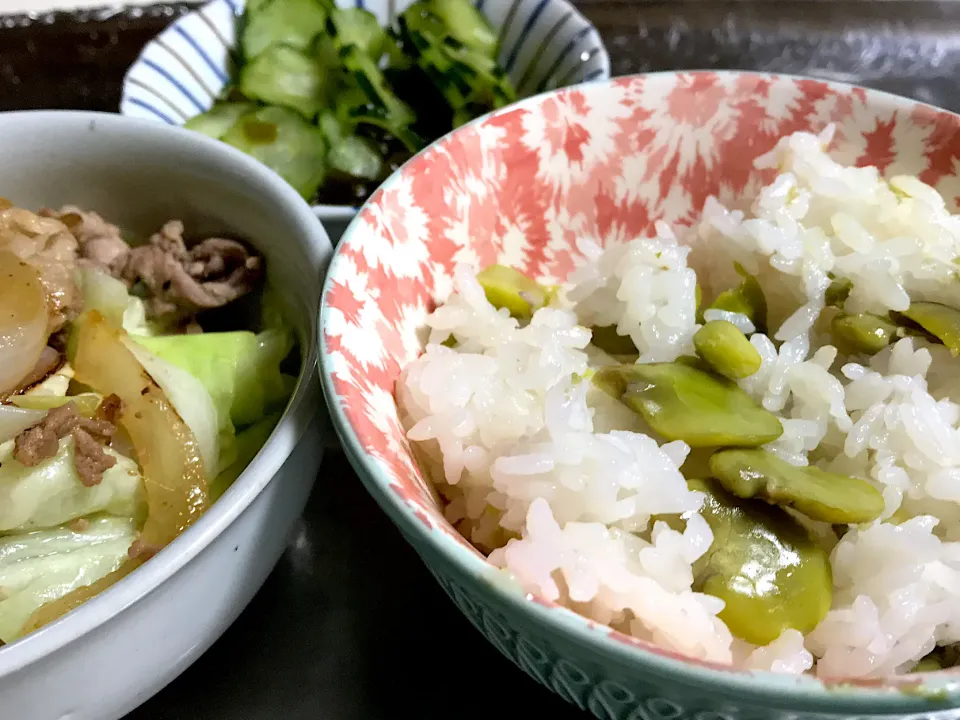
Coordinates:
328	636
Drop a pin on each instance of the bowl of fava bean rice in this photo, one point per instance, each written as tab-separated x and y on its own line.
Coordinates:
660	378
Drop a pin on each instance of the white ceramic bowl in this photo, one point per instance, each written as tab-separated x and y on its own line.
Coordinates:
545	44
114	652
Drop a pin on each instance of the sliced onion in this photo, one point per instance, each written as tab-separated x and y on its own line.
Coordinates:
189	399
173	474
23	320
14	420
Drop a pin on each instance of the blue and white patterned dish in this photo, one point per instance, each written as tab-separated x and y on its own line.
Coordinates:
545	44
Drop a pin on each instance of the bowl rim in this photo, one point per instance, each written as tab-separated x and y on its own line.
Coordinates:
293	424
325	211
933	691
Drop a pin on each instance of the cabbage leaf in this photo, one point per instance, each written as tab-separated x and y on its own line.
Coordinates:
44	565
249	442
240	369
216	382
51	493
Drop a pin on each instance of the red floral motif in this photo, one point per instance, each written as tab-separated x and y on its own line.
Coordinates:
695	99
603	161
879	145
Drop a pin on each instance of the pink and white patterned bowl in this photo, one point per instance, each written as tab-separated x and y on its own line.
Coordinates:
518	187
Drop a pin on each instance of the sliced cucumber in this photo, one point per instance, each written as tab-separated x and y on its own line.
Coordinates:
369	78
469	79
415	88
355	157
283	75
489	86
419	16
216	121
467	24
294	23
317	68
397	59
366	99
467	113
286	143
356	26
330	127
253	6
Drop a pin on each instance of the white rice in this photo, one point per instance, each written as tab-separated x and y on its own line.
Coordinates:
558	483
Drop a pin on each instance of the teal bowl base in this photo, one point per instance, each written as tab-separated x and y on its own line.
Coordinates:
569	670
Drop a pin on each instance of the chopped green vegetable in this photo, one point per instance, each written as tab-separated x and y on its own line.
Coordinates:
293	23
369	101
216	121
464	115
511	289
284	142
249	443
282	75
419	27
694	361
469	79
356	26
681	402
253	6
862	333
610	341
464	22
41	566
240	370
330	127
747	298
355	157
396	59
929	663
838	292
727	350
50	493
439	71
770	573
828	497
370	80
213	432
239	377
489	86
86	404
940	321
